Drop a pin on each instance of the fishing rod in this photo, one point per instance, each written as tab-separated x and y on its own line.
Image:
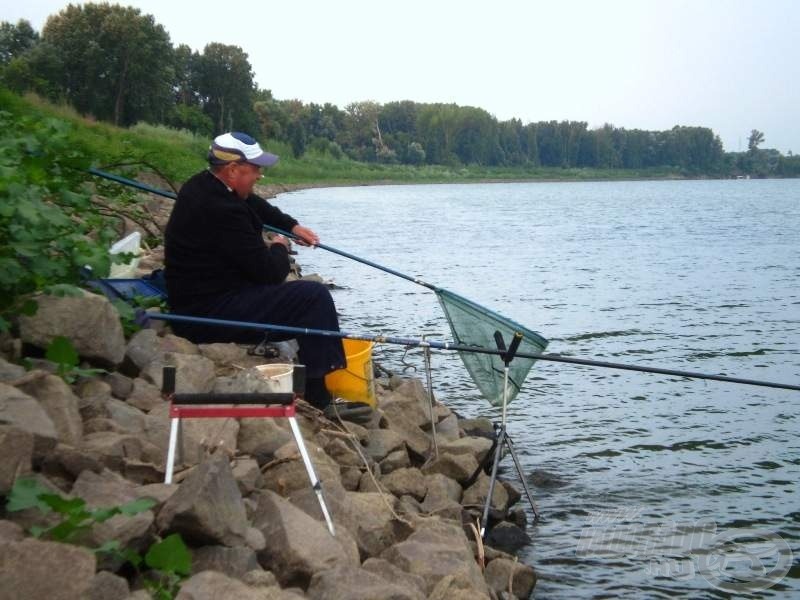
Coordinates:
143	316
147	188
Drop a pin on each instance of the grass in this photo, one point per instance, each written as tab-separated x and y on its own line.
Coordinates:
178	154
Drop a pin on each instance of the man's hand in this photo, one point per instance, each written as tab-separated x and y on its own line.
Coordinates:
279	239
306	237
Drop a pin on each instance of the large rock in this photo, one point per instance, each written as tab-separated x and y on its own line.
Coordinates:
455	466
207	508
443	497
9	372
144	395
454	587
107	586
417	441
287	473
502	573
389	572
89	321
247	475
507	537
355	583
106	490
128	417
395	402
407	481
16	450
447	429
380	442
435	549
20	410
193	373
147	346
478	447
298	546
260	438
197	436
476	494
212	585
233	562
112	449
395	460
377	527
35	569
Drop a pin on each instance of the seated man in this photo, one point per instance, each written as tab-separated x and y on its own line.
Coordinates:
217	264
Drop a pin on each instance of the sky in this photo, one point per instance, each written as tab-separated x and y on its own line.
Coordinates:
731	65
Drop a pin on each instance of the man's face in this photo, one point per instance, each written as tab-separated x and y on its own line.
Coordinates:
242	177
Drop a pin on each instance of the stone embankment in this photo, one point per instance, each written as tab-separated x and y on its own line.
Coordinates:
405	517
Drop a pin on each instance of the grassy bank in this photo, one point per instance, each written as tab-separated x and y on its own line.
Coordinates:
179	154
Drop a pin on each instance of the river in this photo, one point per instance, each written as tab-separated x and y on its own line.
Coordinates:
648	485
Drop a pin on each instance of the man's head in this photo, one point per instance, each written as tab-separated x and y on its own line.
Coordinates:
236	158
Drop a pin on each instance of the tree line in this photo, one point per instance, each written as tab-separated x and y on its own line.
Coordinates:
117	64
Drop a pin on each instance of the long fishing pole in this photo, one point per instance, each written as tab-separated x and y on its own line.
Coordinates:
146	188
421	343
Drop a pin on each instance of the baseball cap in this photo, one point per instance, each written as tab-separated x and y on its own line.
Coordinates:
236	146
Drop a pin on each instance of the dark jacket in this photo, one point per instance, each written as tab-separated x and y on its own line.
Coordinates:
213	243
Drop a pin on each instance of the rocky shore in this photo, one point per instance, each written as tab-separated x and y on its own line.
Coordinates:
405	517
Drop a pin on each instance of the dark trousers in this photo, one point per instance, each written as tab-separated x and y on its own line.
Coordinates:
304	304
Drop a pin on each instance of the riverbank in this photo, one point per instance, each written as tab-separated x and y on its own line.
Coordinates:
405	508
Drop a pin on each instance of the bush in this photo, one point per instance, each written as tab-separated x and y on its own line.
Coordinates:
49	226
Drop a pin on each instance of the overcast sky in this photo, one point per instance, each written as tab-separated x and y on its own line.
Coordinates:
732	65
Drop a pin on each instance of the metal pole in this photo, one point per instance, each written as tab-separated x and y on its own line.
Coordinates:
427	354
463	348
312	476
173	442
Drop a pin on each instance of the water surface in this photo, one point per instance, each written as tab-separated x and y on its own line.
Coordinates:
694	275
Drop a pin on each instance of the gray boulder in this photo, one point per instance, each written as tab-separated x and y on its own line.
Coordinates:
193	373
144	395
197	436
298	546
437	548
406	481
89	321
16	450
502	573
247	475
212	585
107	586
34	569
106	490
455	466
395	460
391	573
417	441
260	438
355	583
233	562
207	508
476	495
9	372
287	473
23	412
478	447
380	442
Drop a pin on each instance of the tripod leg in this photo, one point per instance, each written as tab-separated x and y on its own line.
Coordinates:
312	476
510	446
498	451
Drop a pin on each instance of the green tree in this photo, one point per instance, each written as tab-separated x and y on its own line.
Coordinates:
225	83
15	40
116	63
756	138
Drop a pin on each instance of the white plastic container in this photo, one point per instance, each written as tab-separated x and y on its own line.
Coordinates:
274	378
130	243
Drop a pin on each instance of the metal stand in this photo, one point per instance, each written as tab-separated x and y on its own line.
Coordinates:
197	406
502	439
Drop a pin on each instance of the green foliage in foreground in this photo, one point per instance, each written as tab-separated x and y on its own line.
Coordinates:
168	558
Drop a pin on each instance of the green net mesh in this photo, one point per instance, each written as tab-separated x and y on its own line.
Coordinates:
474	325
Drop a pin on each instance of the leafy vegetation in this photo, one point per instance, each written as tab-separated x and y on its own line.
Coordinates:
169	558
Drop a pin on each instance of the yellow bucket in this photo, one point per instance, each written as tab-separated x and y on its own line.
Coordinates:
356	382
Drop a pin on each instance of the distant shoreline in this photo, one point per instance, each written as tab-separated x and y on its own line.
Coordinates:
271	190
